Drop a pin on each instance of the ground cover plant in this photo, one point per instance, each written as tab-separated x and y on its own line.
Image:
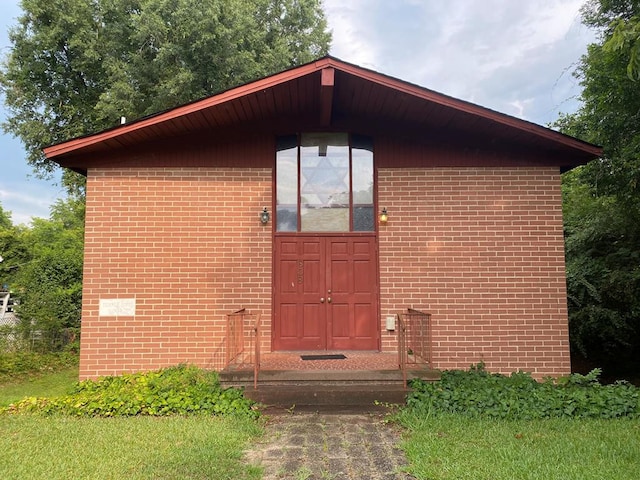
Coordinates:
179	390
478	425
478	393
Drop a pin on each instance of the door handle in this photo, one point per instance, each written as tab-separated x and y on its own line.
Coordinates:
329	300
322	300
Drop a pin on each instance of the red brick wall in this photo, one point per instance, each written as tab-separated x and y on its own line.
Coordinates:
479	248
482	250
187	244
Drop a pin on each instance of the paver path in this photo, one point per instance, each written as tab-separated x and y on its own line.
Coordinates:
330	446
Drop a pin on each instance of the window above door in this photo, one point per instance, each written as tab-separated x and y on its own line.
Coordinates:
324	183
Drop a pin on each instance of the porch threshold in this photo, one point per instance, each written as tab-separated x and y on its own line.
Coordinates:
354	360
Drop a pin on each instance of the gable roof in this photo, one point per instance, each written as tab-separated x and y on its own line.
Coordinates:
332	94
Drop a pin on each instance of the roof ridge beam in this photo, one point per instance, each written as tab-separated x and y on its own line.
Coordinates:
327	82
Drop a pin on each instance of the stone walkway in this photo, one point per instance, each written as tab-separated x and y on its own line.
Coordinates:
330	446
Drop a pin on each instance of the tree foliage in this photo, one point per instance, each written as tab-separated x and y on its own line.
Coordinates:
45	275
620	23
603	274
12	249
626	36
77	66
602	199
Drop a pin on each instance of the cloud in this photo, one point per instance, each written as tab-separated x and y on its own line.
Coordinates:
514	57
27	199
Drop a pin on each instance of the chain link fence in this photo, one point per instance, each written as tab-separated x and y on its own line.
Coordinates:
23	336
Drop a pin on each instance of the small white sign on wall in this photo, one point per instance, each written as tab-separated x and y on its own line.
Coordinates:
117	307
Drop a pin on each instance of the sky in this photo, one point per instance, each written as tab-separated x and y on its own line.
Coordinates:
512	56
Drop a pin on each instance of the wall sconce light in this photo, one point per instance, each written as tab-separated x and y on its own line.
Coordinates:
384	216
264	216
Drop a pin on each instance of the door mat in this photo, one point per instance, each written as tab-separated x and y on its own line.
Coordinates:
323	357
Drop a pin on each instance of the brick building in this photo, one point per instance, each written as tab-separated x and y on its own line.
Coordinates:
174	239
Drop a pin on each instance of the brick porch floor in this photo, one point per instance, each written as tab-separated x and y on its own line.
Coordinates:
356	360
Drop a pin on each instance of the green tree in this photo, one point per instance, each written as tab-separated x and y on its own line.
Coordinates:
620	23
603	274
77	66
12	248
49	284
626	36
602	199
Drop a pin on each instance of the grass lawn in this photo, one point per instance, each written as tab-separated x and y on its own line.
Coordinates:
446	447
199	447
48	385
457	448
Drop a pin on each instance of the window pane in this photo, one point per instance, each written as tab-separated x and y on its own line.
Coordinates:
363	219
362	165
287	175
325	219
287	184
287	218
324	182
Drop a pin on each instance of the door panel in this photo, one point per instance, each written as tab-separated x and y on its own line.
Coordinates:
298	322
354	292
326	294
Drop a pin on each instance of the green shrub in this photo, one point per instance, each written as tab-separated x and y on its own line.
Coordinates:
478	393
181	390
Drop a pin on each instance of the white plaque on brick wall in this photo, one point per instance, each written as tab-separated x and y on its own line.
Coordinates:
117	307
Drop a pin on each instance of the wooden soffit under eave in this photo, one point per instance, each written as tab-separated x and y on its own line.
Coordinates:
112	135
457	110
461	112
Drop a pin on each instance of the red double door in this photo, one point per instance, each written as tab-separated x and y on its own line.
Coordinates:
326	293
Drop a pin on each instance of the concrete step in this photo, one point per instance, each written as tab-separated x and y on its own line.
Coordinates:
326	388
308	377
332	396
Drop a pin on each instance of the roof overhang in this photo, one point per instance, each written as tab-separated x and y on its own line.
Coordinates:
329	94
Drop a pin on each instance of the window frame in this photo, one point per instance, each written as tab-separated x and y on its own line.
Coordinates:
285	143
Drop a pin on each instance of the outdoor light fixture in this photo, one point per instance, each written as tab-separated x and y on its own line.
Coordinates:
384	216
264	216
